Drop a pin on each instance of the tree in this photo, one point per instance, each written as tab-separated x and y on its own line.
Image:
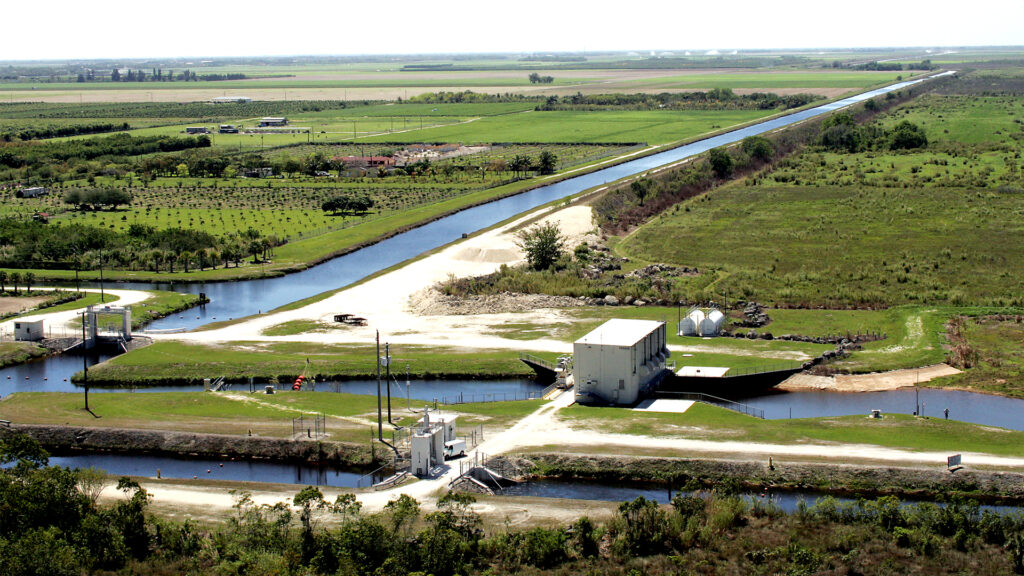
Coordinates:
3	280
29	279
721	162
641	187
758	147
543	245
520	164
907	135
548	162
15	280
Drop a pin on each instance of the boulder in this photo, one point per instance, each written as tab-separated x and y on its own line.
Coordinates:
611	300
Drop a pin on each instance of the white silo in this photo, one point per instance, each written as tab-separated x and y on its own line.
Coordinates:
687	327
712	325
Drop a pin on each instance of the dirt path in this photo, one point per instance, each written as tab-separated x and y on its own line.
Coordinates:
874	382
62	320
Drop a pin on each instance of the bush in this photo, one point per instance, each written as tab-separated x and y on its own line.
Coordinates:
543	245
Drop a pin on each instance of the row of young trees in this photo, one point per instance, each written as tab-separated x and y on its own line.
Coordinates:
82	247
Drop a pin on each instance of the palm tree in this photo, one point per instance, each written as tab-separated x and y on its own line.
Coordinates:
3	280
29	279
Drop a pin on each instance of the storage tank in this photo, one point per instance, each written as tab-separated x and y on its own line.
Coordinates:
687	327
712	325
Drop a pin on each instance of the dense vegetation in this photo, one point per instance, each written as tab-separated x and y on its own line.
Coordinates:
51	523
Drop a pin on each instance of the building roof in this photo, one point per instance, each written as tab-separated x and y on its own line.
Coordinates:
620	332
703	371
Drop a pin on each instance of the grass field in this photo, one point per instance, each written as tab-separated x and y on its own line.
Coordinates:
350	417
877	228
707	422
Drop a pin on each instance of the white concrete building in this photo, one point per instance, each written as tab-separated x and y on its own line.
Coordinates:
28	331
619	361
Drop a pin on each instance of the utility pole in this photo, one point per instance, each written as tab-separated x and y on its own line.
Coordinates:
387	367
85	365
380	425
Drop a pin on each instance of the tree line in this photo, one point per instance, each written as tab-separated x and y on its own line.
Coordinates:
715	99
51	522
30	244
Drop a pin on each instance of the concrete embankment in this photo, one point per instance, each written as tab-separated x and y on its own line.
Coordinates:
68	439
838	480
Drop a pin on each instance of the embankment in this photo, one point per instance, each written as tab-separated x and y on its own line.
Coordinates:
839	480
69	439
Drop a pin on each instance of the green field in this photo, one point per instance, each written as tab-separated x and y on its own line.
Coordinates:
708	422
875	228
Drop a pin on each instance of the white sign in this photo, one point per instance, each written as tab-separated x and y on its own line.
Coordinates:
953	461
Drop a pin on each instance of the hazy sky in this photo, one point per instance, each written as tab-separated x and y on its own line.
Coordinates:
63	29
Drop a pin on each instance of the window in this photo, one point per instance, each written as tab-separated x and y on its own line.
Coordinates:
622	384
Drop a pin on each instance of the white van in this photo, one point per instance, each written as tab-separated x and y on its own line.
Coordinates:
453	448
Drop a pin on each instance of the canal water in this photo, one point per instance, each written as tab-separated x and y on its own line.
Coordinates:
244	298
54	375
145	465
786	500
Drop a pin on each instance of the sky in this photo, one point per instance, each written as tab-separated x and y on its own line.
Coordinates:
63	29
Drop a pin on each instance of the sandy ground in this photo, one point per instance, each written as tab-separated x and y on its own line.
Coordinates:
874	382
386	301
62	320
13	304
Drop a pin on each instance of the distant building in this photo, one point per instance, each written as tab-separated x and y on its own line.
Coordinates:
31	192
366	161
265	172
231	100
619	361
197	130
228	129
273	121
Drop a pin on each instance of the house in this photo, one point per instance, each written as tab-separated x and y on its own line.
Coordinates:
366	161
273	121
197	130
33	192
228	129
619	361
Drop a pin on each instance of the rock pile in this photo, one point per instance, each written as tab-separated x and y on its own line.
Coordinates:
754	316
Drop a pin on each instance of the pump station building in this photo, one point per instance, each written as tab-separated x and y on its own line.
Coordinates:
620	361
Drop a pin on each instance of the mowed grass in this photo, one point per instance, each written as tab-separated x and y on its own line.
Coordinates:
707	422
349	416
181	363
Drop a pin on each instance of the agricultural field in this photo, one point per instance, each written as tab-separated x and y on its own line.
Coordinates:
879	227
396	79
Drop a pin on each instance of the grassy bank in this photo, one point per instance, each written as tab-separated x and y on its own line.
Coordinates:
19	352
707	422
997	362
181	363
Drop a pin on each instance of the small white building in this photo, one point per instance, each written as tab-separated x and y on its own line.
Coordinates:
273	121
426	445
619	361
28	331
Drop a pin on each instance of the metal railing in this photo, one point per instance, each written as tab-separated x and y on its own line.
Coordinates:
753	370
493	397
715	400
538	360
